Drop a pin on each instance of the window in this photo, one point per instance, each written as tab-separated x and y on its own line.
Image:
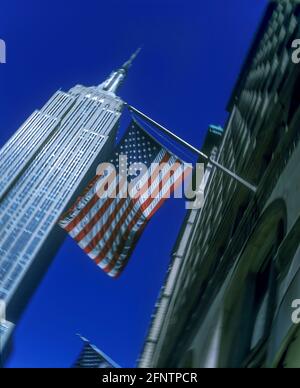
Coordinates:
295	100
262	295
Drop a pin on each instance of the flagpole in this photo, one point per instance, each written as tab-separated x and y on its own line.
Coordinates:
192	148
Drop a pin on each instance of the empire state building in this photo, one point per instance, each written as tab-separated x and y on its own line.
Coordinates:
43	168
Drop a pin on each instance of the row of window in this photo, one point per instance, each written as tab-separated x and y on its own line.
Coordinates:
49	193
59	104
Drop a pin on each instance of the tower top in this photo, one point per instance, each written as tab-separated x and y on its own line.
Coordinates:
117	77
127	65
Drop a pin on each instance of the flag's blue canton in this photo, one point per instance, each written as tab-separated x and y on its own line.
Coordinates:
139	147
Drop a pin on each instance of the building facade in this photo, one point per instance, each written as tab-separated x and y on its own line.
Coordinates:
234	277
43	169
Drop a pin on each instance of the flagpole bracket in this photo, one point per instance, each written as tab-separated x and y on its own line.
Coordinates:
220	167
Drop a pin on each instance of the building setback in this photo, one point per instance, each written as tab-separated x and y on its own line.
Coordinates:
235	270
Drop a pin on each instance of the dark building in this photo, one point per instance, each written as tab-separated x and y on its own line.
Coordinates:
91	357
229	297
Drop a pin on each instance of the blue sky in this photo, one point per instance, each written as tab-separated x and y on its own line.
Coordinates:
192	53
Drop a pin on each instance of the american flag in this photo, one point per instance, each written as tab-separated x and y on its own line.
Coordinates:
108	227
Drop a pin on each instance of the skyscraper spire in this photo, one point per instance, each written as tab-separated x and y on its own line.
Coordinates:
117	77
129	63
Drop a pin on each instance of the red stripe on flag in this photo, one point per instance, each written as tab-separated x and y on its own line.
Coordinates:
158	189
93	243
83	212
86	230
112	264
147	184
172	190
110	241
